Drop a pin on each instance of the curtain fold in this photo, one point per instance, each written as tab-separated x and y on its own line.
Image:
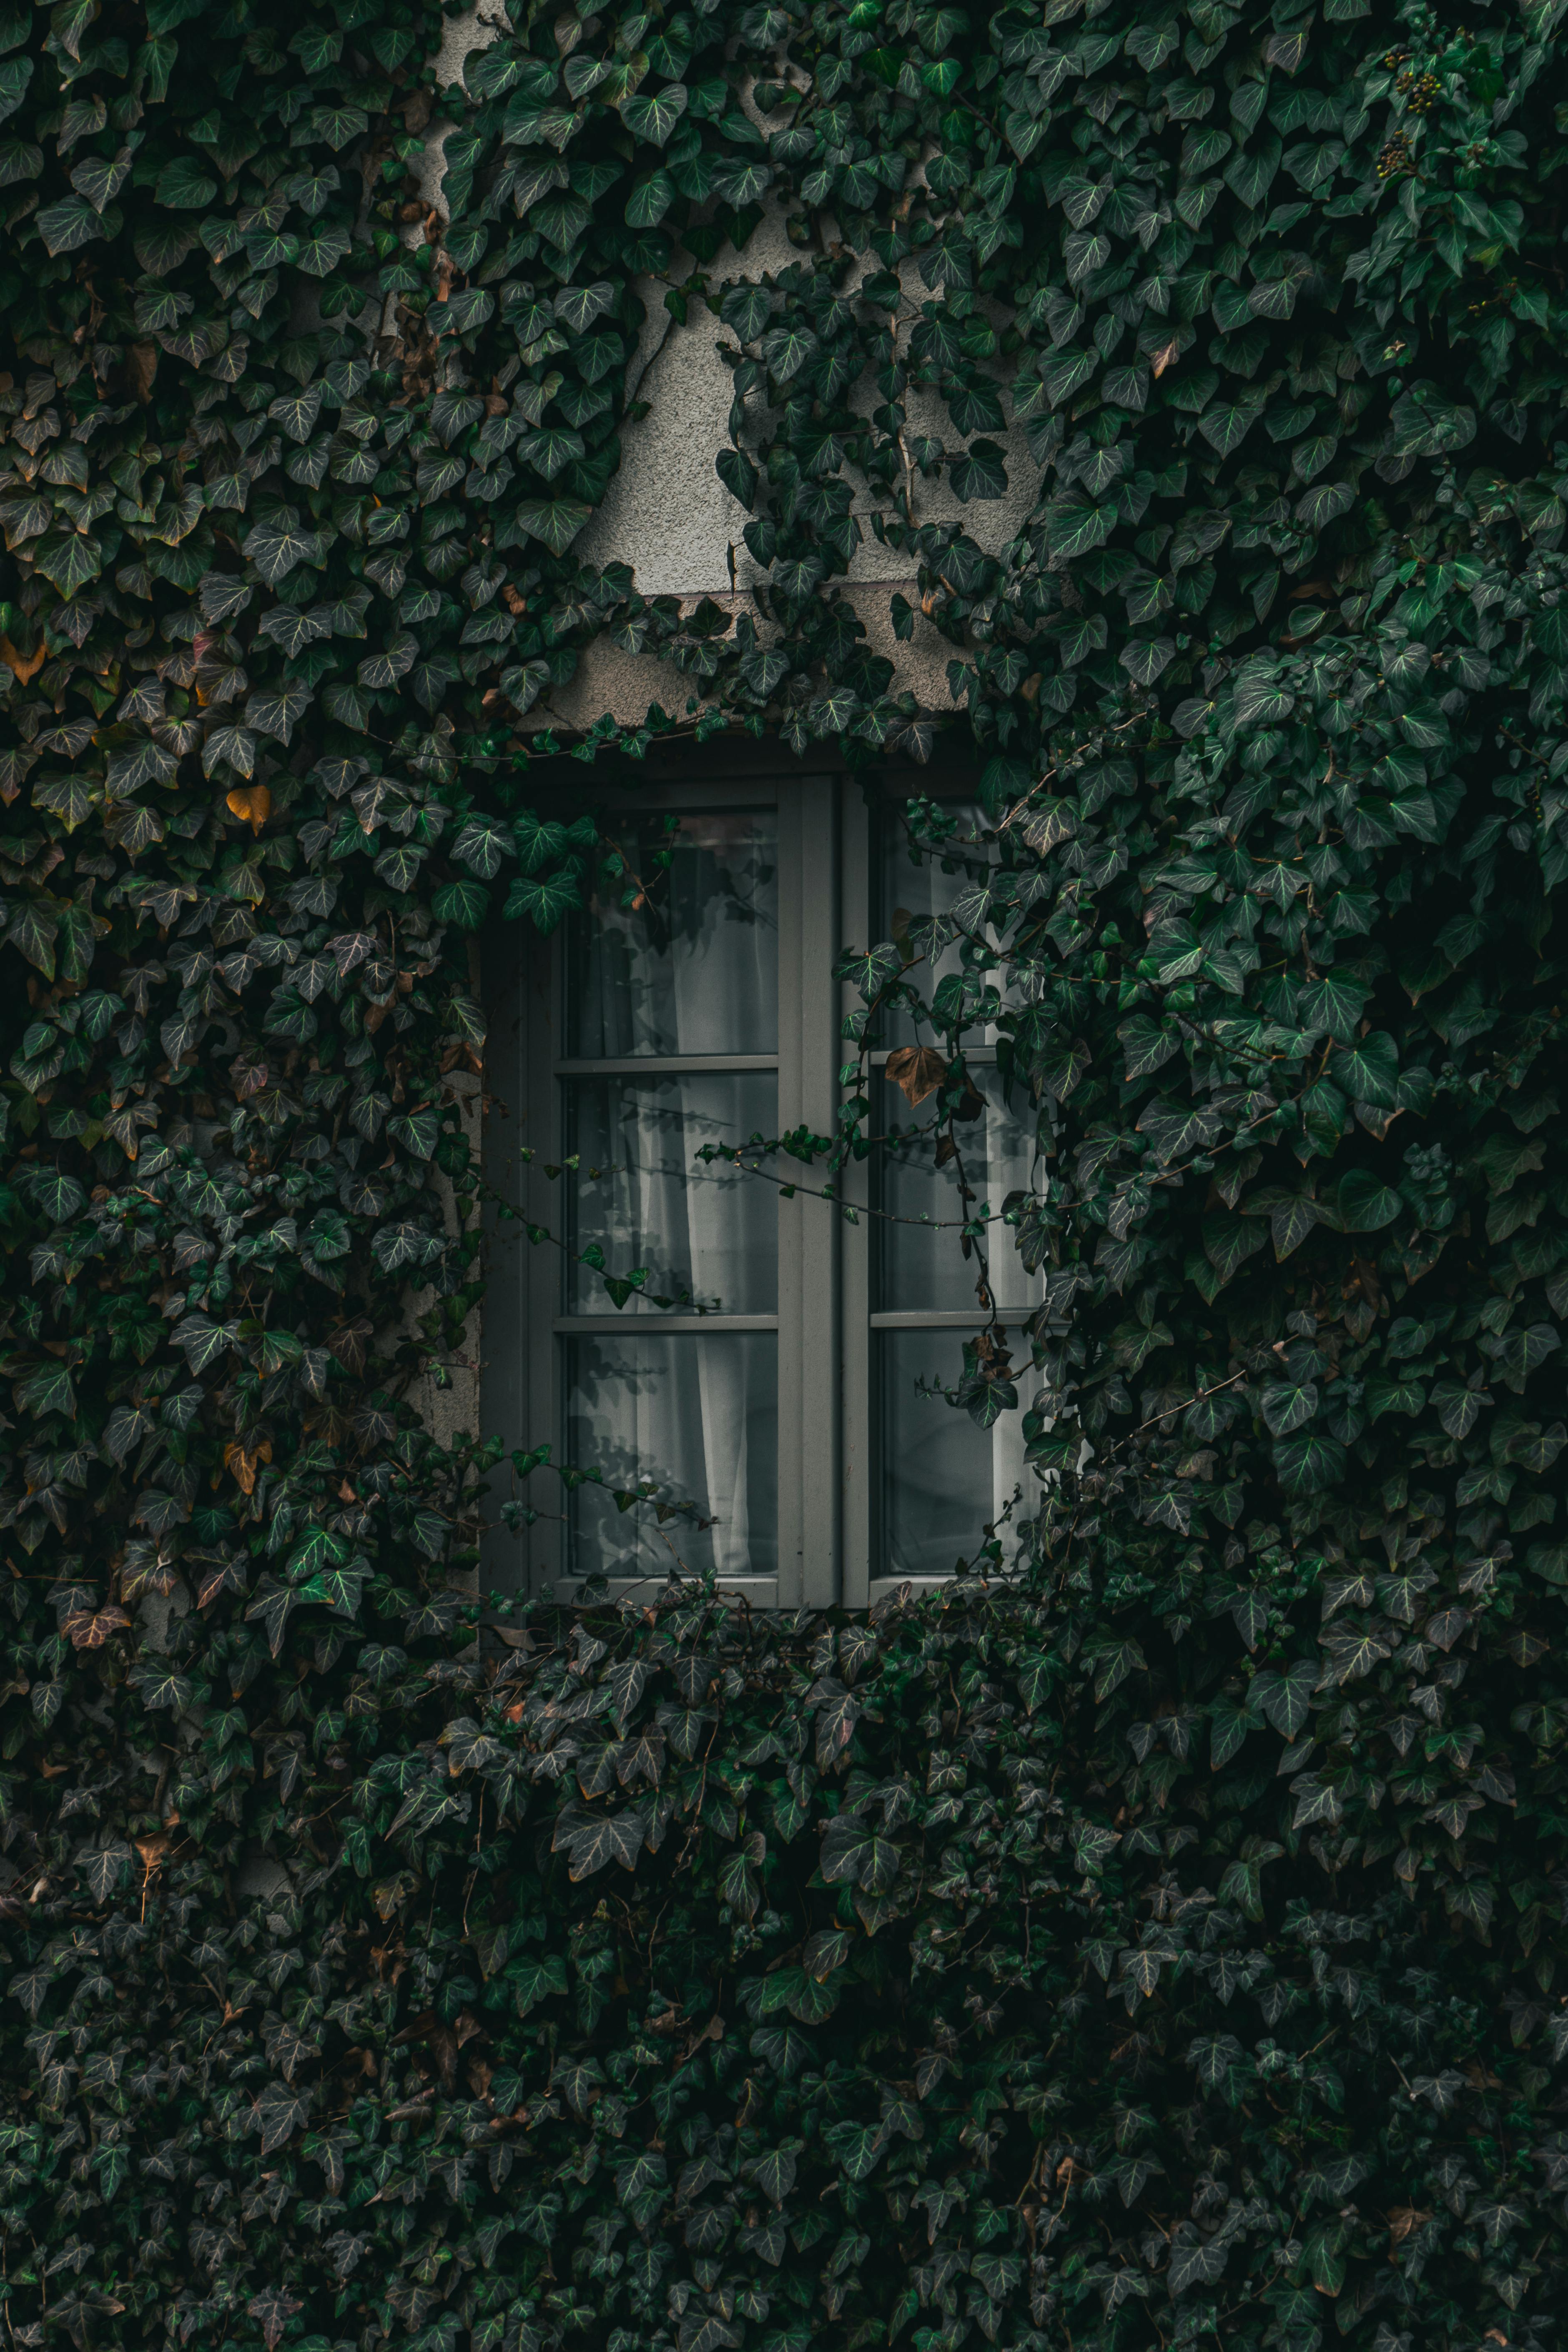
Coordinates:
922	1265
694	971
696	1414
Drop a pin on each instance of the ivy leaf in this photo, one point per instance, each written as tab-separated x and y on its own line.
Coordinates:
1226	422
854	1851
764	671
654	116
270	1609
1334	1002
1146	659
980	473
71	223
738	476
1078	525
1286	1404
71	560
650	200
183	186
1457	1409
295	412
162	1686
97	179
746	311
608	1837
1193	2262
58	1196
1286	1700
775	2173
45	1391
336	125
466	904
1361	1204
786	349
1309	1462
579	307
1368	1070
556	522
276	548
857	2149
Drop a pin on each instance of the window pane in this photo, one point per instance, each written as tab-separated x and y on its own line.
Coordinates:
917	888
925	1266
699	1414
706	1232
943	1479
695	969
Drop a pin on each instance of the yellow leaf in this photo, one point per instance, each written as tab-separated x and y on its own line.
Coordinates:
26	666
245	1463
252	804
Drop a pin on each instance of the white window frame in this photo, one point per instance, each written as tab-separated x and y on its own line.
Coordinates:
828	1437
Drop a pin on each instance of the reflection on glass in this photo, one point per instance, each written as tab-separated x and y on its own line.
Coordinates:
943	1480
706	1232
699	1413
927	884
695	969
925	1266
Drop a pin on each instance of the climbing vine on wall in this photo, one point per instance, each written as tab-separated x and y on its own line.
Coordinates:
1166	1946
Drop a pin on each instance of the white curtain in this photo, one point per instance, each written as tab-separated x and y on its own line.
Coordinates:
695	970
943	1479
696	973
923	1264
700	1415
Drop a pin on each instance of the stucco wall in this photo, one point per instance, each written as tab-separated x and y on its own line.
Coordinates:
668	515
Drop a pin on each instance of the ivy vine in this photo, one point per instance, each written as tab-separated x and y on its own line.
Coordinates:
1159	1943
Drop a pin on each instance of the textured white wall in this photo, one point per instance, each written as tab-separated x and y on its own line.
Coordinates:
668	516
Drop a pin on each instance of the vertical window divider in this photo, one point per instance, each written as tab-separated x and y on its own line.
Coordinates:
808	1227
857	1242
518	1389
544	1551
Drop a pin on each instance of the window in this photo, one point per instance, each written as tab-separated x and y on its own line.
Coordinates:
779	1401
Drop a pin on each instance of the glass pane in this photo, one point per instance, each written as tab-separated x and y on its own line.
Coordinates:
699	1416
943	1479
703	1231
924	1266
922	886
695	969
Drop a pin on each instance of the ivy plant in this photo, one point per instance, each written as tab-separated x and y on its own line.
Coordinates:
1154	1936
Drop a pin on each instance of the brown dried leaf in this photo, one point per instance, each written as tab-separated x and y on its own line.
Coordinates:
140	368
89	1629
919	1070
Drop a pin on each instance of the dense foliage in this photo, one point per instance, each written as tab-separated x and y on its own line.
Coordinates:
1164	1946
